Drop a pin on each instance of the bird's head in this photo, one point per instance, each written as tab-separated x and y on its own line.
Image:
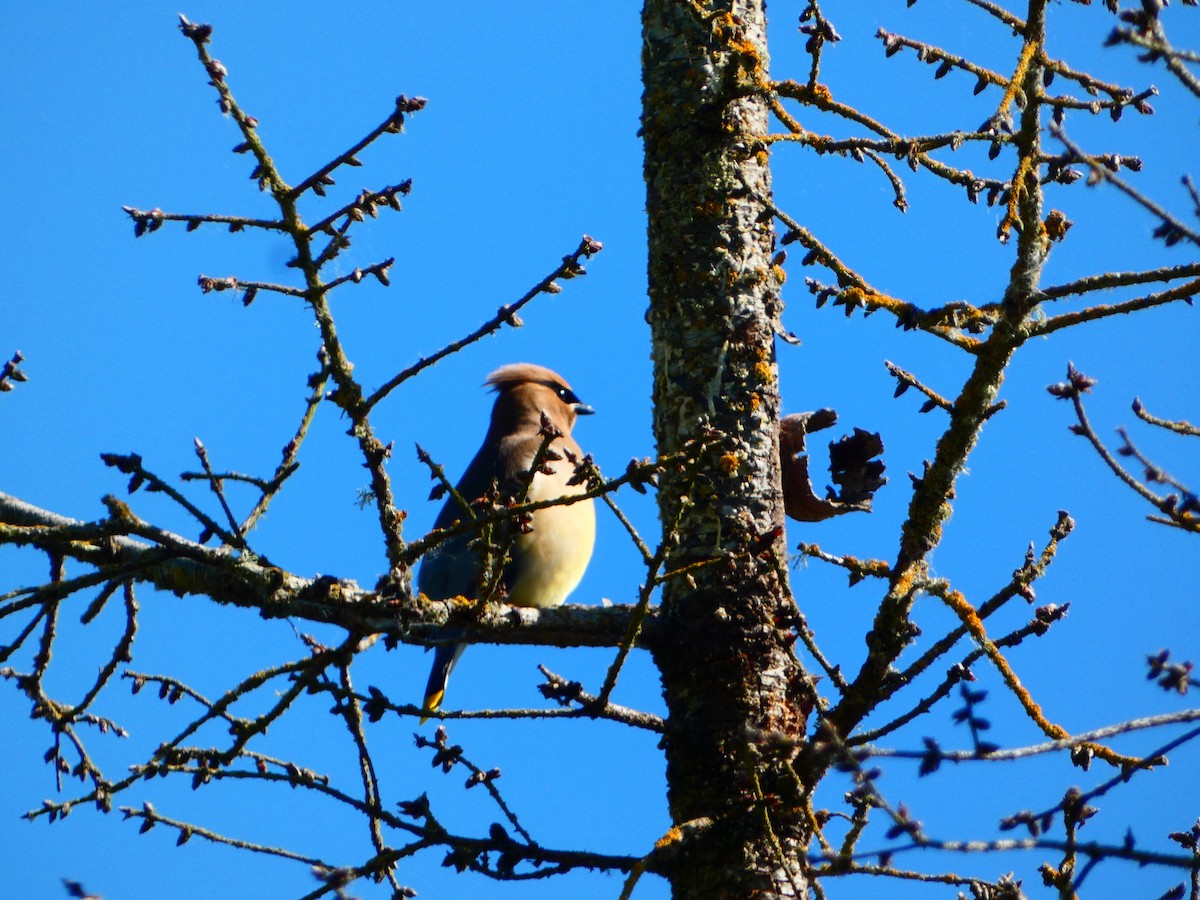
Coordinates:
526	390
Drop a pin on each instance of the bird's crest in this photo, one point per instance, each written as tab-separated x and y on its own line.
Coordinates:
525	373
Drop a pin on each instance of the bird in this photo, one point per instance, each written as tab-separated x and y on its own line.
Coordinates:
546	560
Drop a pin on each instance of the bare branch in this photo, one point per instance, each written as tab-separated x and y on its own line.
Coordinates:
570	268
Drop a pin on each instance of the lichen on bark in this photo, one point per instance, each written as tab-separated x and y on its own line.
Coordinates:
729	673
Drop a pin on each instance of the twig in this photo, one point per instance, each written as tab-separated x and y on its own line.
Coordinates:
1084	737
1120	279
1171	230
1179	426
11	373
564	691
569	268
907	379
1183	292
1182	515
217	488
352	715
288	464
970	618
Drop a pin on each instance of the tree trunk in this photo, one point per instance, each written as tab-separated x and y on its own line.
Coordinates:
729	674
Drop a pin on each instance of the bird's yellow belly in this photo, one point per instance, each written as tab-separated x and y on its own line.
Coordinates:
553	556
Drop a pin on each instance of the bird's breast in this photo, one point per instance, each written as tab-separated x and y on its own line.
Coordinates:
549	561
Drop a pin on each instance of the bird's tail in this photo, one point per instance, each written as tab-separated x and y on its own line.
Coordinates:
444	658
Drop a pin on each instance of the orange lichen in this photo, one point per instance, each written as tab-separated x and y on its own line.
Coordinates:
1056	225
968	615
905	583
1025	170
1018	76
854	295
730	463
674	835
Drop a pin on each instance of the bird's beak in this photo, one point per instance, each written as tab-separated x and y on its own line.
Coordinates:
582	409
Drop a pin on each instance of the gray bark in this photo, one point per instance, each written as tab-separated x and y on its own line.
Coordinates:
728	671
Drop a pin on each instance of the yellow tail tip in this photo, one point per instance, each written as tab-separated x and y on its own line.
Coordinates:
431	705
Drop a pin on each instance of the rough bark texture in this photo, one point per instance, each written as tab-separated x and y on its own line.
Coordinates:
728	673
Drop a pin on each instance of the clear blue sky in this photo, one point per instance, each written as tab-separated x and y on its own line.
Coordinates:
528	141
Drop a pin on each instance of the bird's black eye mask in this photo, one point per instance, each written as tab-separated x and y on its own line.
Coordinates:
565	394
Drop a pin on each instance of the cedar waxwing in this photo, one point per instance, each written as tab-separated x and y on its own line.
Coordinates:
547	561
